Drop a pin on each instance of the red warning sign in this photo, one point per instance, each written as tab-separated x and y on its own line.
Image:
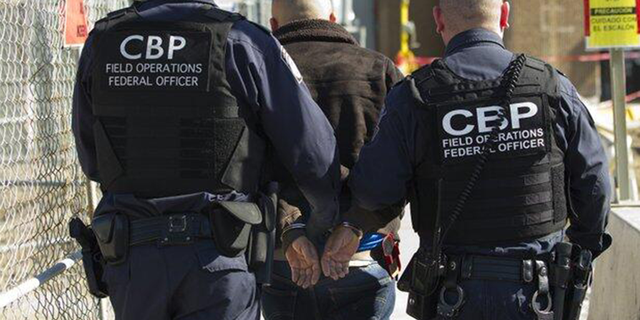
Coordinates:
76	29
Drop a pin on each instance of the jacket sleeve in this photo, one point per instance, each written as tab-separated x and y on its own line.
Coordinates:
587	168
380	178
393	75
82	114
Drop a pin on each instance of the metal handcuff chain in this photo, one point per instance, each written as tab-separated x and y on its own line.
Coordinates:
510	80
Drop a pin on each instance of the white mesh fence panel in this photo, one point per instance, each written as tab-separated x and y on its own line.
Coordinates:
41	184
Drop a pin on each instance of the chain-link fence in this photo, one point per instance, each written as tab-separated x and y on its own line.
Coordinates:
41	185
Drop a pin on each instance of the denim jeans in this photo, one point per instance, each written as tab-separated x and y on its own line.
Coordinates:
366	293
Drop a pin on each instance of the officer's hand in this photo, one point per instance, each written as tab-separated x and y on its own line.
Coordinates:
341	246
304	262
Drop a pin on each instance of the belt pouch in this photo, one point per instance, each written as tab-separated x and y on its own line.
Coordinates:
231	224
112	233
92	260
260	257
423	300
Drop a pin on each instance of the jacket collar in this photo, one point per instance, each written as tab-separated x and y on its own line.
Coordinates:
313	30
473	37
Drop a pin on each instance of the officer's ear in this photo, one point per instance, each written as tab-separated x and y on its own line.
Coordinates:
333	18
274	24
439	19
504	15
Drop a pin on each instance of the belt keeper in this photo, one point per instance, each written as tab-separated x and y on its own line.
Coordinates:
452	272
527	271
543	277
467	267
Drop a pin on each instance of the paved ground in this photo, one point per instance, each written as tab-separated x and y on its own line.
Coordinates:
408	246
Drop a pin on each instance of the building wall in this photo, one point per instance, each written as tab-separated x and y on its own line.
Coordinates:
542	28
365	13
554	28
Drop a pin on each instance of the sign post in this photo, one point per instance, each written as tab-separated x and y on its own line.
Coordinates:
615	25
618	96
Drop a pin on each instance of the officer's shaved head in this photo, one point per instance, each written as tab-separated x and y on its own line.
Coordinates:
286	11
455	16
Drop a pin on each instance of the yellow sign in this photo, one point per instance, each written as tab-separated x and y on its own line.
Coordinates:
612	23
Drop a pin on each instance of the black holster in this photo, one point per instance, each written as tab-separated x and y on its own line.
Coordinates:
422	280
92	260
263	241
112	233
232	224
579	283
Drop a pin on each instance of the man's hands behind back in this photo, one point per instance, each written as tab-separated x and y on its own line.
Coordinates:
341	246
304	262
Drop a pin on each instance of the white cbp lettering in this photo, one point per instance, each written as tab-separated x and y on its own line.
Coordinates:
123	47
446	123
176	43
154	43
483	119
486	115
516	116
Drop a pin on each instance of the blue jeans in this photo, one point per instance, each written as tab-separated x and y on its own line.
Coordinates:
366	293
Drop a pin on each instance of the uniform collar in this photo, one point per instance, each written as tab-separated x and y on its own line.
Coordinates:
473	37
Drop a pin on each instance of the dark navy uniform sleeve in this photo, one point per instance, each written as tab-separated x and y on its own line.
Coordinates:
385	167
265	77
82	115
588	172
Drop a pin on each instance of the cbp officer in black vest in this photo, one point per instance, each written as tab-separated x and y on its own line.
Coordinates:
496	152
177	105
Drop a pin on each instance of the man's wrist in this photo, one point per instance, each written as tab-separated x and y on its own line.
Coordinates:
360	218
355	229
291	233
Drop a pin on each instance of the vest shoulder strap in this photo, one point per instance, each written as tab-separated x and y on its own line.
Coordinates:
541	73
260	27
222	15
115	16
118	13
422	74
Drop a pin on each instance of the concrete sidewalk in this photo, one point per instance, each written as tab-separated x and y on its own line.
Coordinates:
408	246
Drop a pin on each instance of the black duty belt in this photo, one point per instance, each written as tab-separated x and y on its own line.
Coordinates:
497	269
170	229
475	267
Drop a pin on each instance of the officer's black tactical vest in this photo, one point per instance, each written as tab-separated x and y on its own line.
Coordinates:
167	122
521	192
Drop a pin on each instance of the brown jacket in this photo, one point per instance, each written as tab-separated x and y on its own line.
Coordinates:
348	82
